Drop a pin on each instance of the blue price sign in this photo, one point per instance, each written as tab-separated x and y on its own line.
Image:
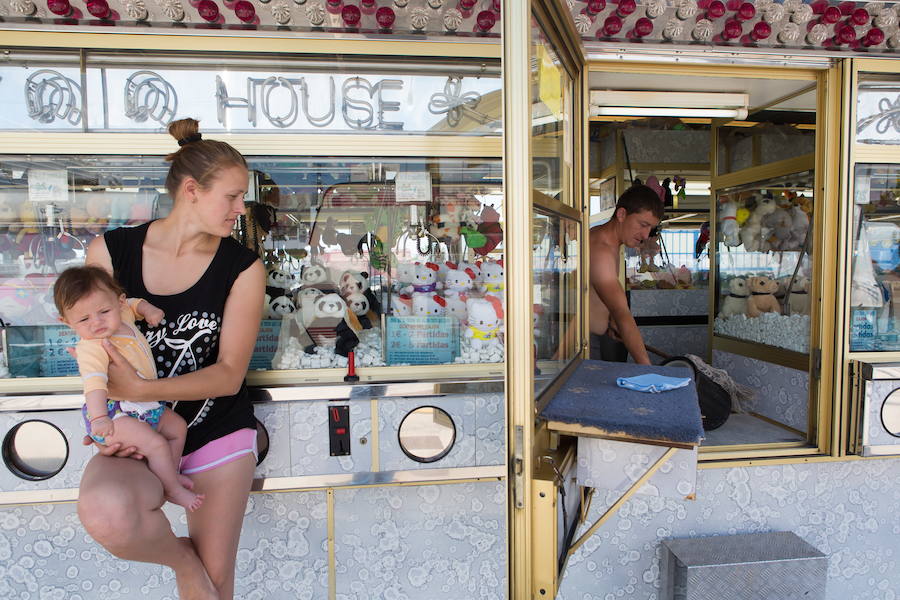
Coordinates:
422	340
266	344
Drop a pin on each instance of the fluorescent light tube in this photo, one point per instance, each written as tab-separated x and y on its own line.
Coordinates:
652	111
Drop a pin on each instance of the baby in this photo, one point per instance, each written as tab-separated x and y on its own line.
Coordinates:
91	302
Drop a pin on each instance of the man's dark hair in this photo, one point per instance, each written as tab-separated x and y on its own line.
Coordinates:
641	197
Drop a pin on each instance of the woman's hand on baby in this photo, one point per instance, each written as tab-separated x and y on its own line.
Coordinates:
114	449
124	382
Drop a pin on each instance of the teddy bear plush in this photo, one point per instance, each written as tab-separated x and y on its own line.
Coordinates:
735	303
762	296
753	235
729	230
798	300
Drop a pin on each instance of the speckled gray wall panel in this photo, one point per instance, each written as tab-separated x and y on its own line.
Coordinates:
847	510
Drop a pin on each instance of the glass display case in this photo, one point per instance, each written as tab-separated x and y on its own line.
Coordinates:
764	262
875	266
397	260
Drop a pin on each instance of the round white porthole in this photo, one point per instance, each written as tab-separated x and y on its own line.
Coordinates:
427	434
890	413
35	450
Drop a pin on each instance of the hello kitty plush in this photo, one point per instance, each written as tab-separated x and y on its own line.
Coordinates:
728	225
735	303
401	305
485	317
493	278
428	305
457	286
405	275
475	267
424	279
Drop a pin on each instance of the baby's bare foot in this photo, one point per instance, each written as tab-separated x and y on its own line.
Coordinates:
186	498
186	481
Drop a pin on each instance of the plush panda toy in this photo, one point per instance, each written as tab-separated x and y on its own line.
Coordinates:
358	282
315	275
280	306
359	305
278	285
329	323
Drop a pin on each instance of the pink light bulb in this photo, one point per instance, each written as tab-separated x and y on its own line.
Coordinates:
208	10
761	31
465	5
746	11
818	7
244	11
486	20
98	8
715	10
611	26
642	28
845	35
626	8
873	37
732	30
385	17
59	7
351	15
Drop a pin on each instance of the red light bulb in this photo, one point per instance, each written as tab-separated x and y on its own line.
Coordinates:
611	26
385	17
642	28
367	3
859	17
818	7
465	5
732	30
873	37
715	10
594	7
626	8
351	15
831	15
98	8
746	11
244	11
208	10
761	31
846	7
486	20
846	35
59	7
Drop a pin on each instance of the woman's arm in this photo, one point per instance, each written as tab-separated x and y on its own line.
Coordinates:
240	325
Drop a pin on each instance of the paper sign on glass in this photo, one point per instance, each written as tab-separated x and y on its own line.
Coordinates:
48	185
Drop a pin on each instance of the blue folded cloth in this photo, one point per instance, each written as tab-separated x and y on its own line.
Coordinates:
652	383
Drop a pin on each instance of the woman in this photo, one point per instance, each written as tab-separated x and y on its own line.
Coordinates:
211	290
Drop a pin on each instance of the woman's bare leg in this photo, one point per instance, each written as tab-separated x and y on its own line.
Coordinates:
119	505
155	447
215	527
174	429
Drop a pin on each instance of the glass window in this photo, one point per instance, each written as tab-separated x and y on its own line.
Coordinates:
877	109
764	262
556	259
410	251
551	121
875	271
744	147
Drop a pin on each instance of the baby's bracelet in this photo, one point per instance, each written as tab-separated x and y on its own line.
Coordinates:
99	417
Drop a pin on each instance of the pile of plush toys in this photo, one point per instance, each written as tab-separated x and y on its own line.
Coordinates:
766	310
324	318
763	223
470	293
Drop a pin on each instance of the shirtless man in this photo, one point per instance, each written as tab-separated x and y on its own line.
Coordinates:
638	211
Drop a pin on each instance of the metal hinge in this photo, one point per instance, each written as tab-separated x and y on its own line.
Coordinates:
518	468
816	363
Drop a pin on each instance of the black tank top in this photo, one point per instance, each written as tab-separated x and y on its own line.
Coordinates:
188	337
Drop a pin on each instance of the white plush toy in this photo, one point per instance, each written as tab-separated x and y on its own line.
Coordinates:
728	225
405	275
353	281
493	278
279	307
735	303
798	301
357	303
475	267
753	235
485	317
778	224
799	227
428	305
314	274
424	278
279	278
457	286
401	305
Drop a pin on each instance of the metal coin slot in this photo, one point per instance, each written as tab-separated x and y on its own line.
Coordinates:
890	413
35	450
427	434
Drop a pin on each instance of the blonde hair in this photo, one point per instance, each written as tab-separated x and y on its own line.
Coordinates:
197	158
